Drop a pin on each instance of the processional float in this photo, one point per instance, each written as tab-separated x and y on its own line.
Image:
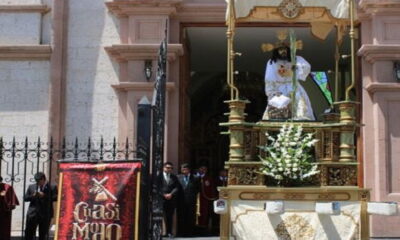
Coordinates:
332	202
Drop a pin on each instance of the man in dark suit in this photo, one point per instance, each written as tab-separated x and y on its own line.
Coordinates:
187	201
40	212
170	192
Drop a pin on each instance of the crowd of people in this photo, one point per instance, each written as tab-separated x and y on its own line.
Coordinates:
191	194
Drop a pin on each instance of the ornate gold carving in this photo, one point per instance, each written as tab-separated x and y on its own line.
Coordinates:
244	175
327	141
301	196
364	195
224	194
326	196
342	176
294	196
323	175
290	8
335	145
295	227
248	145
261	196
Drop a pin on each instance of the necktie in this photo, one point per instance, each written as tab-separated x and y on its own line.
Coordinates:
186	180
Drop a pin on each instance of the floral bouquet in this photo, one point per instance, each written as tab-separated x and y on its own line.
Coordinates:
288	155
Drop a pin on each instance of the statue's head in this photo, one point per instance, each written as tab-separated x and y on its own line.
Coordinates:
281	53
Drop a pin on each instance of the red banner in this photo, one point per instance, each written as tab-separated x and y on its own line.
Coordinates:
98	201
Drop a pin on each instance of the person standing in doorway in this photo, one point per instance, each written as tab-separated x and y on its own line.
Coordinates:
41	196
207	196
187	201
170	190
8	202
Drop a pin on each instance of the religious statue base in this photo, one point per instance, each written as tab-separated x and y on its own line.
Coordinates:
247	217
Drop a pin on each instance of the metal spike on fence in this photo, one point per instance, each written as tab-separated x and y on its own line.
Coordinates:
101	148
24	183
13	161
127	149
89	149
76	147
38	155
50	151
63	148
114	153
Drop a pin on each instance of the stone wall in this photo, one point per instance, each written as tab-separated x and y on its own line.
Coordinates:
91	103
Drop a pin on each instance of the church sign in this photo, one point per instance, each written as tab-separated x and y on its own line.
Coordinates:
98	201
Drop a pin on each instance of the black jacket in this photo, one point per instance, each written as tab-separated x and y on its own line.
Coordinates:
41	207
171	187
189	190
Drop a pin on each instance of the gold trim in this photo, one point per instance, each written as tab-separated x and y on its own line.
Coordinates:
58	205
298	196
137	205
352	49
364	221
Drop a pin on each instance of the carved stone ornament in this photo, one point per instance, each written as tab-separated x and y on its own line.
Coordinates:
290	8
294	227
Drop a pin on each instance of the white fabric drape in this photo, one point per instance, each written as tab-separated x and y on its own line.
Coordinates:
277	82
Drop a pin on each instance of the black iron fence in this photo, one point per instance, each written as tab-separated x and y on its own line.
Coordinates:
20	160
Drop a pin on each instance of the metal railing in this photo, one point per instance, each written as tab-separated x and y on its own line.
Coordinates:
20	160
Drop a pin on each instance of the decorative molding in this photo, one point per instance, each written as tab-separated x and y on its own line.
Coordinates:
383	87
39	8
129	52
376	7
141	7
373	53
196	12
139	86
25	52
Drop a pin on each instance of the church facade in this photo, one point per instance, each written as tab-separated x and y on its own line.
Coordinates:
77	68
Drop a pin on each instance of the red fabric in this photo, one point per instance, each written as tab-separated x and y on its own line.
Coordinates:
207	196
76	188
8	201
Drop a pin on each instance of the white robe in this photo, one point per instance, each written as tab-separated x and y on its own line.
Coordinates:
278	78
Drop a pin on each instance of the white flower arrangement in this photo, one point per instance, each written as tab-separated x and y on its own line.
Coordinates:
288	155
